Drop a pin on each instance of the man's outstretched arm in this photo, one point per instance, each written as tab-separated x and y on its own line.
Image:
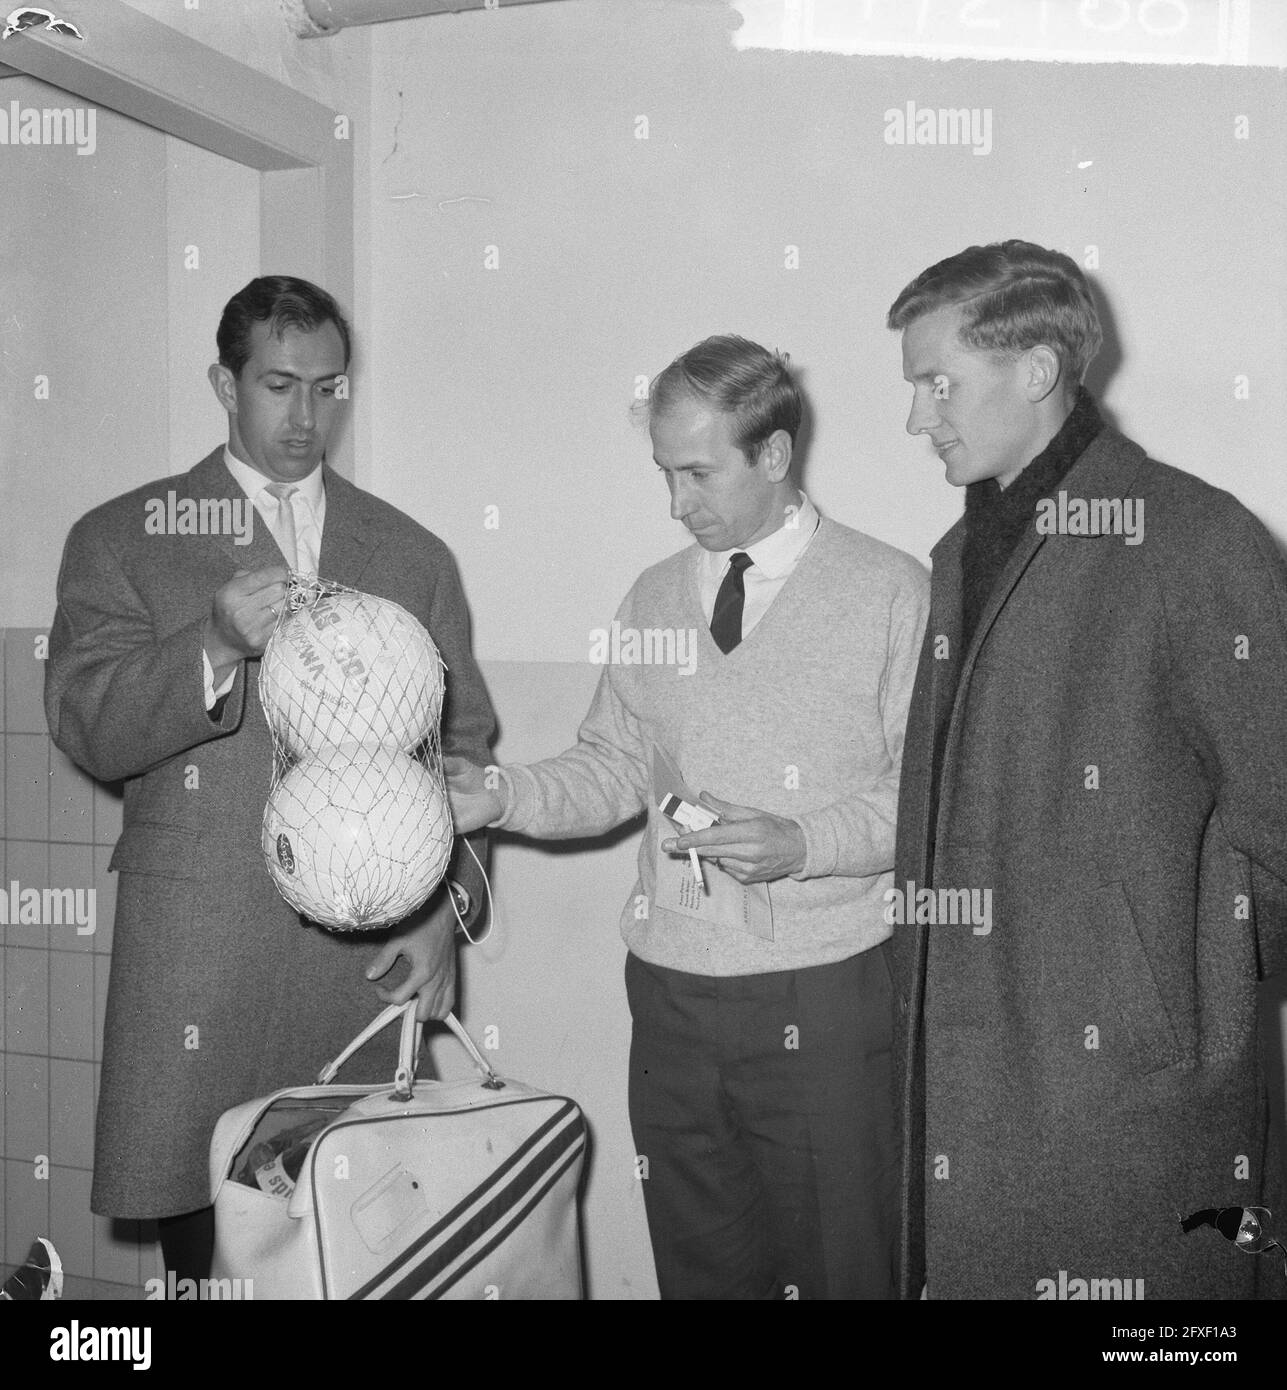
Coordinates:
592	787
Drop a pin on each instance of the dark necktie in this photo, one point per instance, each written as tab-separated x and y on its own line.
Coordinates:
726	620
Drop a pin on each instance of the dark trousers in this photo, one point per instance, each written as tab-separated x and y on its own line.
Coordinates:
762	1106
187	1243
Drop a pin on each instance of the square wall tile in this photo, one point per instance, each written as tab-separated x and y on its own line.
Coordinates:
26	1106
104	900
24	682
102	972
26	1209
71	1006
26	1001
71	872
71	800
71	1223
151	1261
26	787
27	866
71	1113
101	1291
116	1250
109	806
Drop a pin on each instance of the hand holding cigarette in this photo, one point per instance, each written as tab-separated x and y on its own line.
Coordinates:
751	845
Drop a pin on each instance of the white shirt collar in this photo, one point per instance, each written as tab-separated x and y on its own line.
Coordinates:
776	555
253	482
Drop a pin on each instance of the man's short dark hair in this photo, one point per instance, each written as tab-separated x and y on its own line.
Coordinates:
739	378
1012	295
281	301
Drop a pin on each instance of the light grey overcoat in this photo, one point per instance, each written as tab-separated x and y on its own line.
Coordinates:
219	991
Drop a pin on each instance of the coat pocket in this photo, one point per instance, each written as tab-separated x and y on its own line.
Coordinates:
1125	966
149	847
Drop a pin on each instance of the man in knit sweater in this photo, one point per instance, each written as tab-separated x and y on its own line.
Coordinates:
1095	743
759	1070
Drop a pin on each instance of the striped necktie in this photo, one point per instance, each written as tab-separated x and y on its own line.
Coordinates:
284	530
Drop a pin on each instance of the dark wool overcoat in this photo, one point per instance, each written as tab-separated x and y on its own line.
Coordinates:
219	991
1081	1075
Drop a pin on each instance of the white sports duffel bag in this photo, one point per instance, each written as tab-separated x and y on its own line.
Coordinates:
460	1189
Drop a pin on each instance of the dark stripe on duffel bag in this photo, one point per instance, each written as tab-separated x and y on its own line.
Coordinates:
413	1286
495	1179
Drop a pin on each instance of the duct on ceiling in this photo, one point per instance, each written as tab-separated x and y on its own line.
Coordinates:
313	19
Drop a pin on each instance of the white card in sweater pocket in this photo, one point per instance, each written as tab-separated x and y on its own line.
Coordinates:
725	903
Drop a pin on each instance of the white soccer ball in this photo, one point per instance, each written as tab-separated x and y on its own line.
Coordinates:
357	837
350	668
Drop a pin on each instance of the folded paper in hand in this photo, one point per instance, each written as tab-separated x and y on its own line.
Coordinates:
746	907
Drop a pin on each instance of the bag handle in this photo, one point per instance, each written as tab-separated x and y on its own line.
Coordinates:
409	1049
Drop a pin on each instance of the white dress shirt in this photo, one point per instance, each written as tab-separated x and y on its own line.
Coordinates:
308	504
772	561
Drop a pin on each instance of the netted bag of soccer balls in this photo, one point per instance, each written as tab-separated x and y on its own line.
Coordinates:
357	829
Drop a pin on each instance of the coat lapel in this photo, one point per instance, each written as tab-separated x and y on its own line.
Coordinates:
1106	469
935	685
946	622
211	478
350	536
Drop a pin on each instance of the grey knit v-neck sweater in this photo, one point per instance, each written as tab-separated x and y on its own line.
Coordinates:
804	718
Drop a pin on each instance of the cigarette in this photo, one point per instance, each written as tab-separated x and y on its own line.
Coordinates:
697	868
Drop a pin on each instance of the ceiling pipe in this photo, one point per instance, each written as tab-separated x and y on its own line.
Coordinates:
315	19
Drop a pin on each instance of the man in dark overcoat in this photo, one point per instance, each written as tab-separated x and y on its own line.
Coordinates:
219	991
1092	837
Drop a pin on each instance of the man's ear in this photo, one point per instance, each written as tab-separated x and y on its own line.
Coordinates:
776	454
1044	372
224	385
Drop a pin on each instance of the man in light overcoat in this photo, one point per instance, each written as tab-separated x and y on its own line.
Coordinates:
219	991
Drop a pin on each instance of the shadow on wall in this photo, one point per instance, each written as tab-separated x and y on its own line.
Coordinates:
555	849
1105	367
1109	358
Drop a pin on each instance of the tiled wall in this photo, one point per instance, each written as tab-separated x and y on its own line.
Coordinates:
59	829
546	982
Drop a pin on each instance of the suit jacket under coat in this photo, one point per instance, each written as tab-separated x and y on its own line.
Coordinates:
1115	771
219	991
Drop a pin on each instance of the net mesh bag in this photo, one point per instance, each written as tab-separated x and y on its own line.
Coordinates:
357	830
